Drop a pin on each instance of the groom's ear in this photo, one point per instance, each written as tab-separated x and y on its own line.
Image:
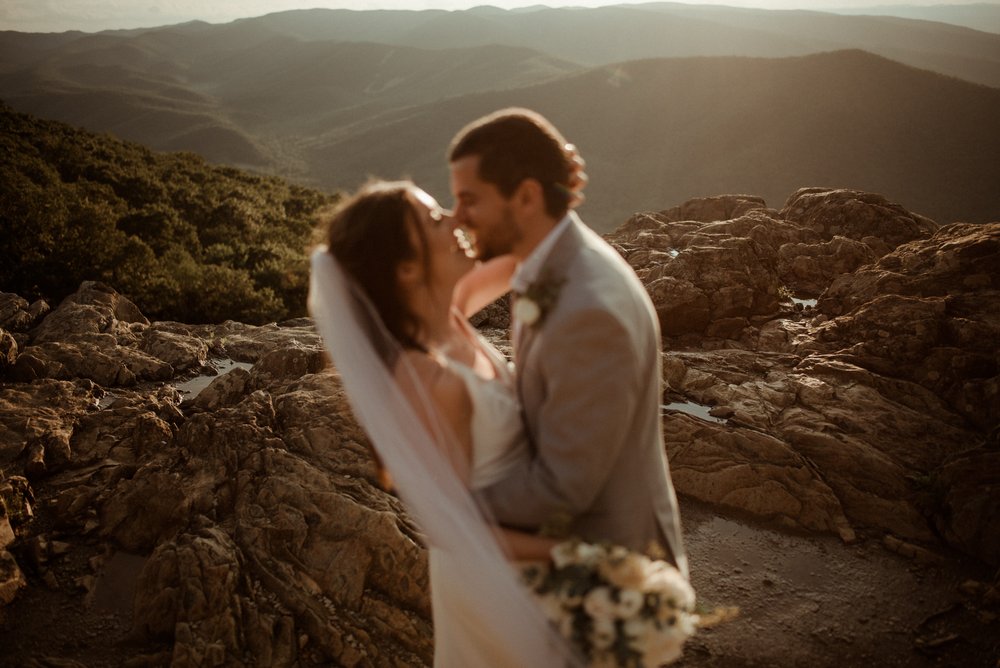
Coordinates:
529	195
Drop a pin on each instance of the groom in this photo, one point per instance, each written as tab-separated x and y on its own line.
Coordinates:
586	344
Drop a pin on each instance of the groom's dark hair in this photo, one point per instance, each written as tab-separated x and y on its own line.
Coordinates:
514	145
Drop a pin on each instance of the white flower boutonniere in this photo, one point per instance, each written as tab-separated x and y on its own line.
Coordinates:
531	307
526	311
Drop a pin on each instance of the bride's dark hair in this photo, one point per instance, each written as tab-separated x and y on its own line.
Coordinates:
369	236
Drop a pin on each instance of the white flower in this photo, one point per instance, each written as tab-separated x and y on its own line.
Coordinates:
628	570
671	585
526	311
598	603
687	624
629	603
603	633
619	552
588	554
635	629
657	646
563	554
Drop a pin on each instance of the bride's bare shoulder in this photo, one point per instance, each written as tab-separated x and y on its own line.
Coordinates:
438	393
436	378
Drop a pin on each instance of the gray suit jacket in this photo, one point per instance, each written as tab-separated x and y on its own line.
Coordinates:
589	379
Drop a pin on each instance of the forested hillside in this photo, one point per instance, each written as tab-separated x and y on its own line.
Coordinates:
184	239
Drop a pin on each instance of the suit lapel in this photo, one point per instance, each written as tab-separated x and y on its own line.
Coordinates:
555	268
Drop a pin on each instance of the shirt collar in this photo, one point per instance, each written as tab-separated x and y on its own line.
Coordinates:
527	271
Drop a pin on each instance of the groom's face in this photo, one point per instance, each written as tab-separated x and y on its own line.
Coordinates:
483	211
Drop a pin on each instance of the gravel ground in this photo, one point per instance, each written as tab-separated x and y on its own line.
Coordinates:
808	600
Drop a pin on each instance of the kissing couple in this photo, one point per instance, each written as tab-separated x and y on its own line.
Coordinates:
484	453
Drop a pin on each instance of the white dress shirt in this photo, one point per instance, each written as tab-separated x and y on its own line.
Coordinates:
526	272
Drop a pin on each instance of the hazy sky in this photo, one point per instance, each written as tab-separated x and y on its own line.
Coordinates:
93	15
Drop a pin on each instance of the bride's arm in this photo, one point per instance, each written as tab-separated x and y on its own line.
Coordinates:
487	282
524	546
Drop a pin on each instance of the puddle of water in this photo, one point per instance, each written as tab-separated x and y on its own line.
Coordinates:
190	388
699	411
805	302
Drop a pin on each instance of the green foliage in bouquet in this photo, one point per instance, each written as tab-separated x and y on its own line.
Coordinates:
183	239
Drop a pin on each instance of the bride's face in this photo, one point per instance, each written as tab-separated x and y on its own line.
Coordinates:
449	255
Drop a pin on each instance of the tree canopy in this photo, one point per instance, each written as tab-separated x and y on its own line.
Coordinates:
183	239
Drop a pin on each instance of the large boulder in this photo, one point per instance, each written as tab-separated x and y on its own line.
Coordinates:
180	351
16	510
95	308
275	490
8	350
808	269
711	209
928	312
103	362
702	279
966	487
17	315
816	443
866	217
38	420
11	578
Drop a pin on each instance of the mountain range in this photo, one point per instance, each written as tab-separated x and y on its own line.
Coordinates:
980	16
666	101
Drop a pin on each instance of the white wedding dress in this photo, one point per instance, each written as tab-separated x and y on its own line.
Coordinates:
484	616
498	443
498	436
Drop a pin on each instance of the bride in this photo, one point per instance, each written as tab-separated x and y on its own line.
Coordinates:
390	293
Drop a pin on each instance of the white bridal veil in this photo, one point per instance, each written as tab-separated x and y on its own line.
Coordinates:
492	619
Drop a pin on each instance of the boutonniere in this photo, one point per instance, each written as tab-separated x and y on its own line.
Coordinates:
531	306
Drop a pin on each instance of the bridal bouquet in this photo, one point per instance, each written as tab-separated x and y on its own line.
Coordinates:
617	607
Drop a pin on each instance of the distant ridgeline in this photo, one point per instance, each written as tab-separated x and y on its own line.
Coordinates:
184	239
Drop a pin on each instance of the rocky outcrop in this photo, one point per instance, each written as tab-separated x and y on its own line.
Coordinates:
878	402
808	269
702	279
814	443
718	266
8	350
866	217
712	209
928	312
16	510
94	309
17	315
252	509
246	525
